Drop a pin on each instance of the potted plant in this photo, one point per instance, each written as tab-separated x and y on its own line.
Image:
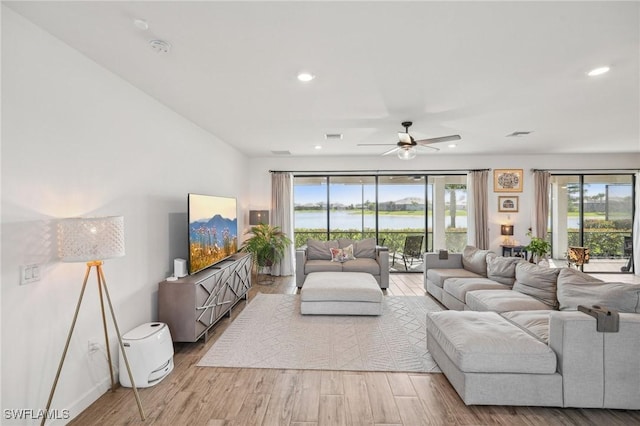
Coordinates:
537	247
267	245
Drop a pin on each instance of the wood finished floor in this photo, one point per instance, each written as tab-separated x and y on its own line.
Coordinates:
239	396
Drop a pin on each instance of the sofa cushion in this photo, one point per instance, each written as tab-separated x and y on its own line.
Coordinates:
362	264
438	276
341	287
535	322
365	248
320	250
458	287
475	260
502	269
502	301
577	288
484	342
537	281
322	266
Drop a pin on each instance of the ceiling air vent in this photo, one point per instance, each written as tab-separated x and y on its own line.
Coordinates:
516	134
281	152
335	136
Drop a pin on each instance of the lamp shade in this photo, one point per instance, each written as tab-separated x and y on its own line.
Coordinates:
257	217
506	230
86	239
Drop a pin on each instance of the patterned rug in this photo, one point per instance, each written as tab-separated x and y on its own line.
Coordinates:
271	333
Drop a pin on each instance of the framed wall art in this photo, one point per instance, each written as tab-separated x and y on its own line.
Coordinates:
507	180
508	204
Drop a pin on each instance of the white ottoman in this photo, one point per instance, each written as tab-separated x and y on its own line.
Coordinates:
341	293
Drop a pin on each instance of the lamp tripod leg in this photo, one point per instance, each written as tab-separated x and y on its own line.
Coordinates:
104	327
66	346
124	354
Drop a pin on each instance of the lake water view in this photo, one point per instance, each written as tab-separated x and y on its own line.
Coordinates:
346	220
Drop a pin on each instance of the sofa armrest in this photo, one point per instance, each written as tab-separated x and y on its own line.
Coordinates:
433	261
301	259
382	257
599	370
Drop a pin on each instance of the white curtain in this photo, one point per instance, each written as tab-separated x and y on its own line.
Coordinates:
541	180
282	216
636	229
478	206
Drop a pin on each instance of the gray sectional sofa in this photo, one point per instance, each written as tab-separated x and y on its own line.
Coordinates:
514	334
315	256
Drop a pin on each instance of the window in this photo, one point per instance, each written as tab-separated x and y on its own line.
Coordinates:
594	211
386	207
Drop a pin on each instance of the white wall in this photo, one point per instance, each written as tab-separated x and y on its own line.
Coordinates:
260	179
79	141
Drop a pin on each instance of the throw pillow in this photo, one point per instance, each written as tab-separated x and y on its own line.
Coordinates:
475	260
365	248
319	250
337	255
538	282
348	253
577	288
502	269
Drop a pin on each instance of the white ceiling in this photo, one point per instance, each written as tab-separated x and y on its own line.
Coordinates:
479	69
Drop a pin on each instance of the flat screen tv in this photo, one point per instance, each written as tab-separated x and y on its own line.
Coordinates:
213	230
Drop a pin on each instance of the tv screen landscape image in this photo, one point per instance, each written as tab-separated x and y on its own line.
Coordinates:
213	230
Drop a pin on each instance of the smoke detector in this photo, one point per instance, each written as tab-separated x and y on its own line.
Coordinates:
160	46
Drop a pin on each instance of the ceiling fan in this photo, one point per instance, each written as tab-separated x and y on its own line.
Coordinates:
406	146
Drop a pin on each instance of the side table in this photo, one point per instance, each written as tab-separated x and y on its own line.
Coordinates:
514	251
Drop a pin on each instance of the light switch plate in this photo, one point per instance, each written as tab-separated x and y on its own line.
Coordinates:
29	274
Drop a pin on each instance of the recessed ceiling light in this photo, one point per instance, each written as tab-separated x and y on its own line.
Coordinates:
598	71
452	145
141	24
306	77
318	147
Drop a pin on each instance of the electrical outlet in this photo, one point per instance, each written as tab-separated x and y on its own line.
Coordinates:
93	347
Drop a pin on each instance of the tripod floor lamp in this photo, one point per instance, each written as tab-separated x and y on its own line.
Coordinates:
92	240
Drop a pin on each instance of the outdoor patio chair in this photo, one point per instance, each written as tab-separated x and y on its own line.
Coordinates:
411	252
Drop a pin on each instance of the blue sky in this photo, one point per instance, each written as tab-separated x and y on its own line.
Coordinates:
352	194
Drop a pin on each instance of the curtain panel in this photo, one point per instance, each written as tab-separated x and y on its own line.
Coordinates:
478	207
282	216
636	229
541	180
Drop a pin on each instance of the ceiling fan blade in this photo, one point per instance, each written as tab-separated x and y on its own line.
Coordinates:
430	147
404	137
391	151
376	144
439	140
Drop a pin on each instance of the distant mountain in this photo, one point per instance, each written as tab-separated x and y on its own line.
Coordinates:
218	222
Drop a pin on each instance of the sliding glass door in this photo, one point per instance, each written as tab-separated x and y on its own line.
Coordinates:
596	212
400	211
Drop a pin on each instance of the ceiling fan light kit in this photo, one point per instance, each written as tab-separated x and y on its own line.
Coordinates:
407	153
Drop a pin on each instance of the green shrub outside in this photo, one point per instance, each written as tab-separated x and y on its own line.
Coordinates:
605	238
456	238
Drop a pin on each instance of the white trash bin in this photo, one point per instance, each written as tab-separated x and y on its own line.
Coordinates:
150	353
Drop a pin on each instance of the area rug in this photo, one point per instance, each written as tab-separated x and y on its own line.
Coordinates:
271	333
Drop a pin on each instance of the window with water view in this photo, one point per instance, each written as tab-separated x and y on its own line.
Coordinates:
389	208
